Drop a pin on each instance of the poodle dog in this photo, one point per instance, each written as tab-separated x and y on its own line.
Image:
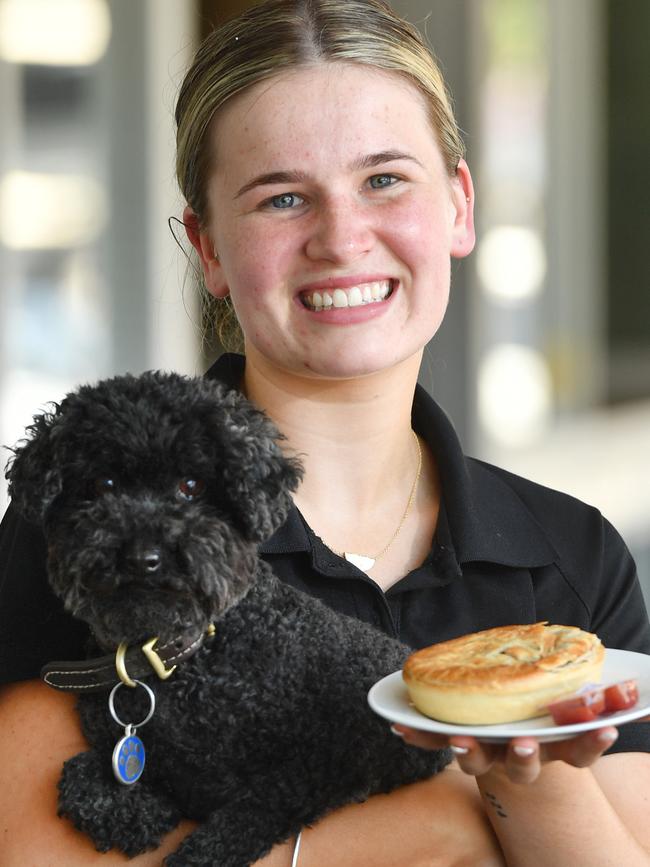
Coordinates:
154	493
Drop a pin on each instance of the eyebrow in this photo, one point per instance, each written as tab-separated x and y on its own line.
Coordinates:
368	161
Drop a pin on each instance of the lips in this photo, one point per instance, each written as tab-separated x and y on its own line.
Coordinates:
372	292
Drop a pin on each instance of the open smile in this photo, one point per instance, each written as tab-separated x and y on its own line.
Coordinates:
351	296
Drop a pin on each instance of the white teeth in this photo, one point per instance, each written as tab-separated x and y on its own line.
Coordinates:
355	296
340	298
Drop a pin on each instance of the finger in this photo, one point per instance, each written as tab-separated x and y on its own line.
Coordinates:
416	738
473	757
522	763
583	751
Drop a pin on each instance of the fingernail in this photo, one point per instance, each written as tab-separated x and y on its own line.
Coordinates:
397	732
523	752
608	736
460	751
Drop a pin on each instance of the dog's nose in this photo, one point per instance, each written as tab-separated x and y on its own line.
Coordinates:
145	560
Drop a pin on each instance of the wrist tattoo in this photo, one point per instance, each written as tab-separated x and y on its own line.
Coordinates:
496	804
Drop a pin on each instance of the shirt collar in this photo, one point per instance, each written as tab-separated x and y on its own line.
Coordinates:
229	369
487	521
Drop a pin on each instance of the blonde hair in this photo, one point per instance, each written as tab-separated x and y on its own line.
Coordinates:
274	37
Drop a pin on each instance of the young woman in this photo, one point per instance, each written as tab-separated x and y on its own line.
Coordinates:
326	194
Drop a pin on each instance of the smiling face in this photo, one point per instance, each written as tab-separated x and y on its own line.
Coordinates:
334	220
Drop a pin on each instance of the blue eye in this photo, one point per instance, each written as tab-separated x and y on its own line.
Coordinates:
285	201
378	182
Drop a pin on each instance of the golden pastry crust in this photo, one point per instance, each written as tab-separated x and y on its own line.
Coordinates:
504	674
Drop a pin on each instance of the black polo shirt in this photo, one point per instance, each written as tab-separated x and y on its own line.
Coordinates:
505	551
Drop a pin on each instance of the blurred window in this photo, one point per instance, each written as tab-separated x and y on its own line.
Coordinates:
54	206
91	282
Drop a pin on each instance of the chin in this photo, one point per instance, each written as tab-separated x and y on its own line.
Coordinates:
357	364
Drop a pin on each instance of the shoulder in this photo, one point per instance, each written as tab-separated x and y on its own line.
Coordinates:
583	542
566	521
542	501
586	554
500	517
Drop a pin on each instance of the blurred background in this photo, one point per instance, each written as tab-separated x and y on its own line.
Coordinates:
544	358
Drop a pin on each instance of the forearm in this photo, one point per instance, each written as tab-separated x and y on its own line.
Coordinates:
437	823
562	819
40	731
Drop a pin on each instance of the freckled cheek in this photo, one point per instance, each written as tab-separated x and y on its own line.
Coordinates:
245	275
257	269
259	265
417	233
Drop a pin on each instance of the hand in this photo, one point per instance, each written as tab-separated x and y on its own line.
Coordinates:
521	759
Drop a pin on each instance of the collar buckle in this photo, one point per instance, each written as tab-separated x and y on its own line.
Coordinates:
155	661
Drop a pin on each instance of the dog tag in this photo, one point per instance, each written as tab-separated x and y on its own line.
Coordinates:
128	758
128	755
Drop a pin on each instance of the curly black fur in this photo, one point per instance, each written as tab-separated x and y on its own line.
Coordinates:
154	493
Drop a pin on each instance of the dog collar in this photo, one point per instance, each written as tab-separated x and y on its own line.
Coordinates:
126	664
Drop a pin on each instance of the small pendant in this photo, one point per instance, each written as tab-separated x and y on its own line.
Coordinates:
128	758
359	560
128	754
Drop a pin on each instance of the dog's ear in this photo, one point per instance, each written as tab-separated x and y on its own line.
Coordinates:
34	477
258	476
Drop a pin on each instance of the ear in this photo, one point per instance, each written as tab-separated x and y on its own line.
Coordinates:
258	477
34	477
215	280
463	234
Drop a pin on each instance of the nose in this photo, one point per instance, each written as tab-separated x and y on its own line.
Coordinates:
144	560
341	233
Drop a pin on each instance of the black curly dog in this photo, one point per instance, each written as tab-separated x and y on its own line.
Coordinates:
154	493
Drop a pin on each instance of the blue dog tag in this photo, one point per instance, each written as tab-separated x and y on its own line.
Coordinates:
128	755
128	758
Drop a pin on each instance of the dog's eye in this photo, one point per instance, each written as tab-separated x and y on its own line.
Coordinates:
190	489
105	485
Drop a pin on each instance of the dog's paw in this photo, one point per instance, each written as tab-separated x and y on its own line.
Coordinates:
236	834
129	818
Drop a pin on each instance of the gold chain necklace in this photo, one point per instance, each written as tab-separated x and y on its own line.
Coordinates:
363	561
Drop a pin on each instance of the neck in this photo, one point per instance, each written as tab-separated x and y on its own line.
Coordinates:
354	438
344	429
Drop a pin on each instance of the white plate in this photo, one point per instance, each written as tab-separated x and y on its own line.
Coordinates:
389	698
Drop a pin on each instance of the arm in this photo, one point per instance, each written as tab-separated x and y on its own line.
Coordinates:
562	801
565	803
436	823
599	813
40	730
